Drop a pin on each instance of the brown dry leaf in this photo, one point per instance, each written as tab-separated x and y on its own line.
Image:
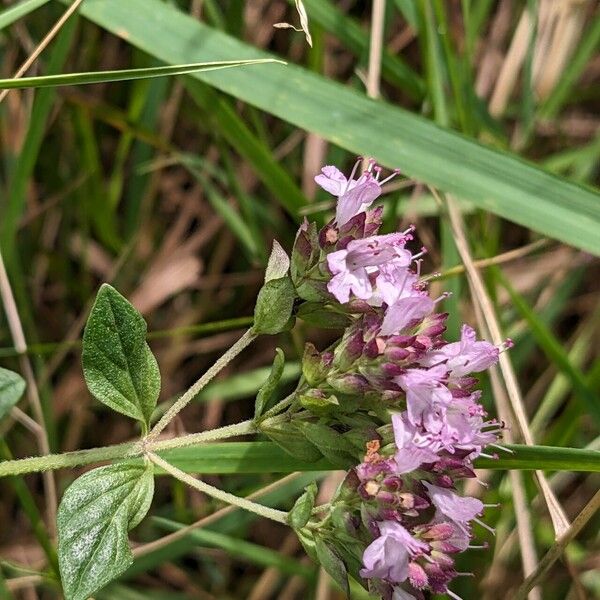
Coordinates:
303	22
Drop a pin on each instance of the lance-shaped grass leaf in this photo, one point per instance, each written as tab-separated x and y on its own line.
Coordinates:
265	457
12	387
125	74
492	180
95	514
19	10
119	367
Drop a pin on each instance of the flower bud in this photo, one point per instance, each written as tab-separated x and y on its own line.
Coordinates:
315	365
349	350
348	383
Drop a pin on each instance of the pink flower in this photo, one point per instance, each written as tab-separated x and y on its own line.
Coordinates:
465	427
404	311
387	556
412	450
426	396
454	507
354	195
464	357
395	280
351	267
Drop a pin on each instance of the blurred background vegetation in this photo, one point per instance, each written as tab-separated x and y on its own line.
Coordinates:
172	190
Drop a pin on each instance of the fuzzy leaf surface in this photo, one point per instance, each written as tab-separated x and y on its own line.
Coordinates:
12	386
119	367
274	306
95	514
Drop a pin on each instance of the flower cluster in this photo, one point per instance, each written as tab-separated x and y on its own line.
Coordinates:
392	378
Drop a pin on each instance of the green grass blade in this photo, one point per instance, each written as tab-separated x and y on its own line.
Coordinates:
554	350
13	209
493	180
19	10
239	548
44	81
240	137
227	524
229	214
267	457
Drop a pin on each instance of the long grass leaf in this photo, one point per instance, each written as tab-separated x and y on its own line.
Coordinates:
266	457
44	81
18	11
493	180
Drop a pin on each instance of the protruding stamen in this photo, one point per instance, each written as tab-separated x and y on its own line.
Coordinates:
485	526
453	595
395	173
503	448
490	456
419	264
483	546
352	174
423	252
442	297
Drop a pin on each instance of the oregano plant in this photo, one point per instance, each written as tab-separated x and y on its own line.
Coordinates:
391	402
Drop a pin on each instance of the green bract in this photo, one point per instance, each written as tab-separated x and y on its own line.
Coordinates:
275	302
119	367
302	510
268	388
94	517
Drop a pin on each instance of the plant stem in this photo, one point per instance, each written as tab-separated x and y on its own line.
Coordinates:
280	406
126	450
264	511
243	428
242	343
61	461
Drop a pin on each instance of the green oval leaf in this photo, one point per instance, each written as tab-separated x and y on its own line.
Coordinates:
274	305
95	514
119	367
12	386
332	563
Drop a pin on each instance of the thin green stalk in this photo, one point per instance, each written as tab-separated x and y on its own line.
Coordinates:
280	406
264	511
222	362
127	450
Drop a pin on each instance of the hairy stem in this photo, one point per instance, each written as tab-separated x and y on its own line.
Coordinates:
243	428
264	511
51	462
222	362
126	450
